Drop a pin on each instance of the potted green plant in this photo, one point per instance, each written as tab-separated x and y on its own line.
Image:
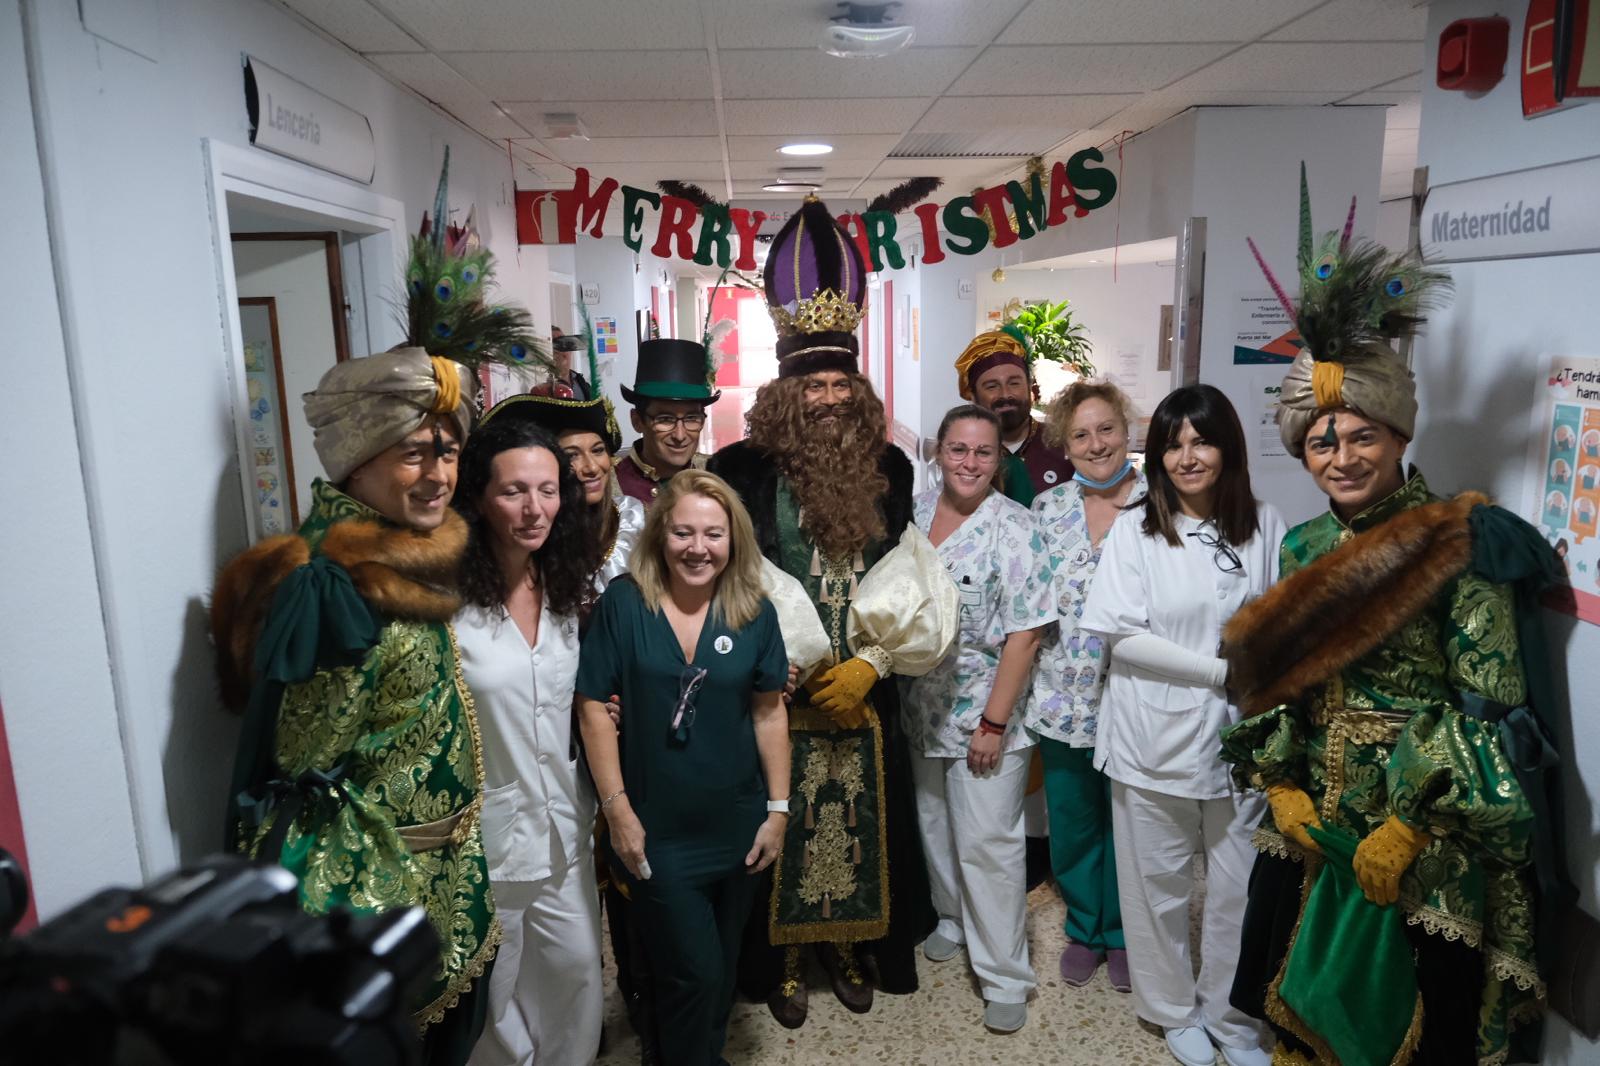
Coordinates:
1055	336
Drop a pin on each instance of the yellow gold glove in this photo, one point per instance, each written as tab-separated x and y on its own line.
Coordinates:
1384	855
1292	811
841	693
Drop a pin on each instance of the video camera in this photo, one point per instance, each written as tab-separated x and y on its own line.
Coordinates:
215	963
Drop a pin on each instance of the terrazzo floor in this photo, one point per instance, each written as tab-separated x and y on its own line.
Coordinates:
942	1024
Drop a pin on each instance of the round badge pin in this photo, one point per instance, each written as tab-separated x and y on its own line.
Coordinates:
723	644
1049	477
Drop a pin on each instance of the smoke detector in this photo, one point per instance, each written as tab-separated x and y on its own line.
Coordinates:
862	30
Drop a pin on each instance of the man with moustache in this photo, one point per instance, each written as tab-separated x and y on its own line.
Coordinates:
996	371
831	504
670	395
359	767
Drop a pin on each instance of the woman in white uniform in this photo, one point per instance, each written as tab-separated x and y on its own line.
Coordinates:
527	573
964	720
1091	419
1172	572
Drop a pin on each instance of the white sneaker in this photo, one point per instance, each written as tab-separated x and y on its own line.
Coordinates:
1239	1056
1191	1046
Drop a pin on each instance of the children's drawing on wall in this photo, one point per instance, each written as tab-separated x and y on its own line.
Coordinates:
1563	477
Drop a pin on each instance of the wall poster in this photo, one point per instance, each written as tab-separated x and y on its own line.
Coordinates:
1262	331
276	508
1562	486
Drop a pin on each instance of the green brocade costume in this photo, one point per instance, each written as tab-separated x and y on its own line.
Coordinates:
831	882
359	727
1382	683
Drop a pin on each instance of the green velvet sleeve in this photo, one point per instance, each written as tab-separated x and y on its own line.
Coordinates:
1267	749
1449	773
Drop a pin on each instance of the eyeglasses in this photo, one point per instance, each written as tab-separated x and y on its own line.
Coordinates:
683	715
667	423
958	453
1226	558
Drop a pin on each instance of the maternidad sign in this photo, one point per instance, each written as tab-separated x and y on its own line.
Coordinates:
1552	210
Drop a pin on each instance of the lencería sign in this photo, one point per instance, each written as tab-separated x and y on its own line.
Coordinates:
295	120
1552	210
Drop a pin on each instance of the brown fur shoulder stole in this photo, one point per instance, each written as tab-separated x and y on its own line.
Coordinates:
404	573
1319	620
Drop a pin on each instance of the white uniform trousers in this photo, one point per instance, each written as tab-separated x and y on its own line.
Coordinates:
545	996
1156	838
973	842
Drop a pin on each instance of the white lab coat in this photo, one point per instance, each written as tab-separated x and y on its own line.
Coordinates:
545	994
1159	741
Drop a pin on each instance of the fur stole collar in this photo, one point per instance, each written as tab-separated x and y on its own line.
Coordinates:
1319	620
403	573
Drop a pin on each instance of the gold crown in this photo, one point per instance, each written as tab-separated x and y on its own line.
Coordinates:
825	312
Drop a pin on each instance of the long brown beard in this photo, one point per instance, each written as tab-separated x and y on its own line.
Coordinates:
832	467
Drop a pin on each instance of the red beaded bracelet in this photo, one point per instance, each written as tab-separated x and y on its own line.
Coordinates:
988	728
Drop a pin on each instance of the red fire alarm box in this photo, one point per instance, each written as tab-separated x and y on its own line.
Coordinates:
1472	54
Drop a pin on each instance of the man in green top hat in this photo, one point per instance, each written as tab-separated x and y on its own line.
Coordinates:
672	388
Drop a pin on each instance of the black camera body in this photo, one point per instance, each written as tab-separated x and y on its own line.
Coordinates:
215	963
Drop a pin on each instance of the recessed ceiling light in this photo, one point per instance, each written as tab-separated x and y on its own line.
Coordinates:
806	148
1095	260
791	186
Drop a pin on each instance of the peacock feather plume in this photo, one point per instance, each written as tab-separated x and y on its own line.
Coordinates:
447	310
1356	297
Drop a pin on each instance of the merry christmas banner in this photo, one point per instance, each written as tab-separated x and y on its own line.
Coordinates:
1001	214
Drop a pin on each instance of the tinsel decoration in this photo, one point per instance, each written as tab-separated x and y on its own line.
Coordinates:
687	190
906	195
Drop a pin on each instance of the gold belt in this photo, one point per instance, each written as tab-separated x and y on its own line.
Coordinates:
435	834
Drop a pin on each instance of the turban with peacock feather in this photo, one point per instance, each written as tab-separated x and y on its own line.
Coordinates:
1356	299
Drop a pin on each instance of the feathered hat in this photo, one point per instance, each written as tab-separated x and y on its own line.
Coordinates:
1007	345
816	289
1356	299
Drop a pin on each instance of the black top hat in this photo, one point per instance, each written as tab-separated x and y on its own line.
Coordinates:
560	415
671	370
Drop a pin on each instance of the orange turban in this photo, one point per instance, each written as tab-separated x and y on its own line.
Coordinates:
987	351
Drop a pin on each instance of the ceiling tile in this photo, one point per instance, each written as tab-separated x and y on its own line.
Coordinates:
1307	67
850	169
786	24
626	118
637	149
869	115
1127	21
962	114
809	74
517	25
1410	83
1404	109
555	76
357	23
434	79
1359	20
847	146
961	174
1020	70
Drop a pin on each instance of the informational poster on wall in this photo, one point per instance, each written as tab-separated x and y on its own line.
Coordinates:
274	497
1262	330
1265	388
605	336
1562	487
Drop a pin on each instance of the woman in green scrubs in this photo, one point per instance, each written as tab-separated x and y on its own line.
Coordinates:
692	645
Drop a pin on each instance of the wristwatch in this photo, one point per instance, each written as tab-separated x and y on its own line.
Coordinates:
778	806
